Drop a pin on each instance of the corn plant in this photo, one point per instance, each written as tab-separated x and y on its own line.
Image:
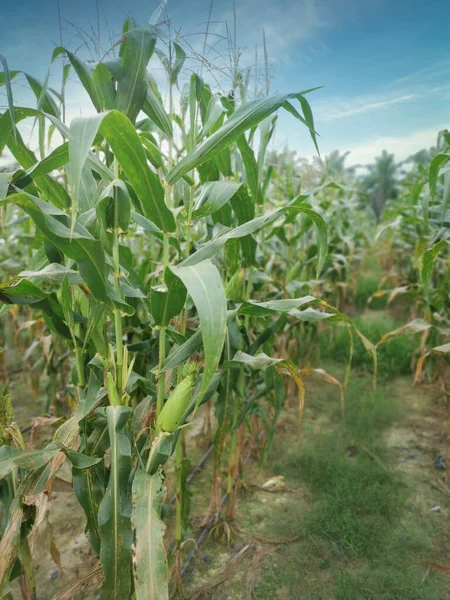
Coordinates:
417	235
151	268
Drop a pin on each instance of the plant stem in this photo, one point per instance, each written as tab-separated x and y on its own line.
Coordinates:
80	366
179	503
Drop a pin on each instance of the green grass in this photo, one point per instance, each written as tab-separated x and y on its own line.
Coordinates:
363	539
366	286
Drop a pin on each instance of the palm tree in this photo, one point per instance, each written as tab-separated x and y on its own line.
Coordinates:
381	181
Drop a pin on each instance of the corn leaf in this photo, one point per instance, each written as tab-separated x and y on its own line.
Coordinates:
428	258
150	563
436	164
9	94
127	147
244	118
114	514
27	460
154	109
77	244
213	196
136	51
167	300
84	73
205	287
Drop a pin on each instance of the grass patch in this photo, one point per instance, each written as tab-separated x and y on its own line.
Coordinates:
363	540
366	286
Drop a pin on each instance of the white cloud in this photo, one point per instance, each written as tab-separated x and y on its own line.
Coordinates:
354	108
334	108
400	146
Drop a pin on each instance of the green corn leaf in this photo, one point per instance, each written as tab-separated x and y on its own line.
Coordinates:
251	167
214	112
55	160
308	119
84	73
153	230
127	147
173	69
428	258
12	74
211	248
105	88
82	132
28	460
80	460
114	514
213	196
180	57
25	292
7	82
321	231
205	287
183	352
5	180
105	208
45	101
264	309
49	188
8	121
244	118
150	563
77	244
243	206
136	51
436	164
88	489
154	109
167	300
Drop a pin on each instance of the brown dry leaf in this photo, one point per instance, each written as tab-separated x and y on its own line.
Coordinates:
253	574
416	326
55	465
437	567
41	422
279	542
43	506
396	291
46	341
322	373
9	542
27	325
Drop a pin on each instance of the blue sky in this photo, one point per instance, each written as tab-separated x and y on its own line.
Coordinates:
384	64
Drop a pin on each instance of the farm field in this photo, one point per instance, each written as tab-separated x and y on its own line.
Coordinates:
224	367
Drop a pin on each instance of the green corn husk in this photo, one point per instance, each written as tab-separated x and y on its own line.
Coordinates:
176	405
